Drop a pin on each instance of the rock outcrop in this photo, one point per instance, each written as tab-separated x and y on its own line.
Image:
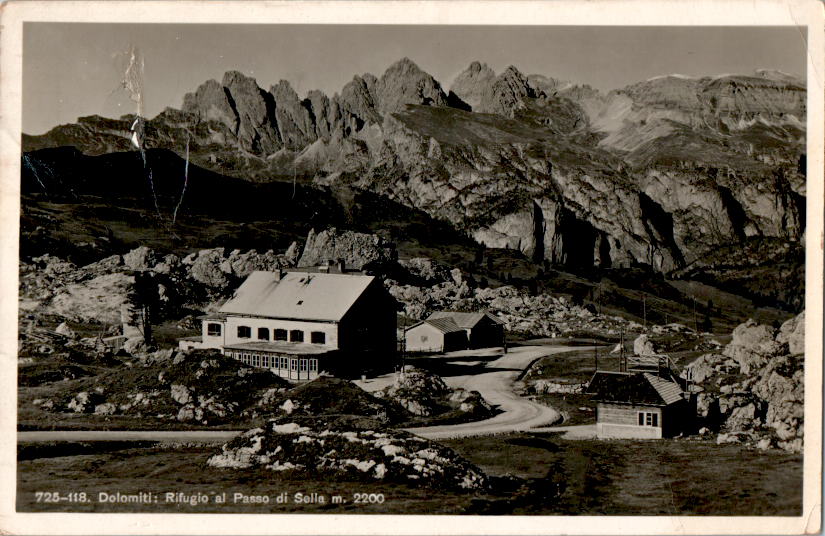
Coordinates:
357	250
315	446
201	387
643	345
424	394
113	290
540	315
753	391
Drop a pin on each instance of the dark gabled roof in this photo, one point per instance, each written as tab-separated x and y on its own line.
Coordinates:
444	325
464	320
629	388
670	391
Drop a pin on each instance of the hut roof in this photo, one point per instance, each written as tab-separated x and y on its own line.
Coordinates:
629	388
464	320
306	296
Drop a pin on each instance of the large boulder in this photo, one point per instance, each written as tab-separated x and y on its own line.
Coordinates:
243	264
357	250
416	390
141	258
210	268
97	300
752	345
643	345
427	270
792	333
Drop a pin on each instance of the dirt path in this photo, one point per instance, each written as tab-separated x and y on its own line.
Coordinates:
497	387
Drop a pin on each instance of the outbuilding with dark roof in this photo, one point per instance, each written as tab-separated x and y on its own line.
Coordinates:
638	405
483	329
435	335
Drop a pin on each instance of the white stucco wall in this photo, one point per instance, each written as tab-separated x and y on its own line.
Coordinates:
622	422
423	338
210	341
232	322
627	431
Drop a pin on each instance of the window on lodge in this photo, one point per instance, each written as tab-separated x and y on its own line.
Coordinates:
647	418
296	335
313	365
318	337
244	332
213	330
280	334
263	334
282	362
256	360
294	364
303	365
265	359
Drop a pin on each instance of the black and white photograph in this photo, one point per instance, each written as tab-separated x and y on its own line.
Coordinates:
415	266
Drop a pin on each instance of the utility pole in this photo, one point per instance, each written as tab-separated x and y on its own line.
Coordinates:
644	310
403	340
622	364
695	325
596	354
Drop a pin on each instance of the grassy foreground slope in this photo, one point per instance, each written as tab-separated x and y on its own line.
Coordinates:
563	477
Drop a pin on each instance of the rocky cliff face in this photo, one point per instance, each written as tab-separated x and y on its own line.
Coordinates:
658	173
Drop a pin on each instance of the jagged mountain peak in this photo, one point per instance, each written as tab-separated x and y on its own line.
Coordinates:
404	65
283	87
405	83
512	71
473	83
231	78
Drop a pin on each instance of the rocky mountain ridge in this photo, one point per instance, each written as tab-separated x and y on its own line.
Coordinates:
659	173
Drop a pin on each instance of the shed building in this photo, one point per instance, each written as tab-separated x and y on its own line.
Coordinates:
482	328
638	405
435	335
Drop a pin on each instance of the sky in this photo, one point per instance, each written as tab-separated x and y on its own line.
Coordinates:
75	69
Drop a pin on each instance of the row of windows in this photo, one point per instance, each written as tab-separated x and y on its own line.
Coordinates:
294	335
281	363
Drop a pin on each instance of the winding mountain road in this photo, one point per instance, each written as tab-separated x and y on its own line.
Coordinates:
497	388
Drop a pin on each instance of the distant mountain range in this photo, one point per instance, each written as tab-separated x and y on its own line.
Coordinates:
661	173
